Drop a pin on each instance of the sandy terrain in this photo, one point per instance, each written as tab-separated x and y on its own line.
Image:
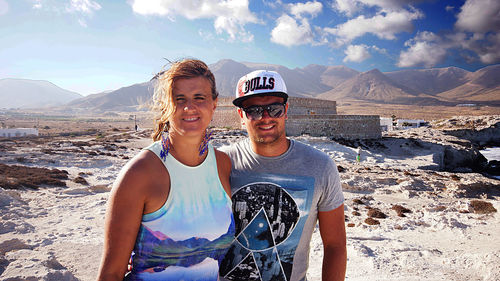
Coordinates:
446	229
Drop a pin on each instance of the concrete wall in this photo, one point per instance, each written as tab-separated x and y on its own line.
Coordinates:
335	126
314	117
226	117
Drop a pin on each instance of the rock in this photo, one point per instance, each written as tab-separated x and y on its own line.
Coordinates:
493	168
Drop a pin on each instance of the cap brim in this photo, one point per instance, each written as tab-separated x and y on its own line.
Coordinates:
238	101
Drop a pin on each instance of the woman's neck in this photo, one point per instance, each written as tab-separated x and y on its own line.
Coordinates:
186	149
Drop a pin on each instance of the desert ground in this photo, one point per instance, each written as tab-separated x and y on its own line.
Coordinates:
405	218
413	111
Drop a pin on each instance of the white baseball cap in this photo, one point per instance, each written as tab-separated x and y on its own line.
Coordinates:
260	83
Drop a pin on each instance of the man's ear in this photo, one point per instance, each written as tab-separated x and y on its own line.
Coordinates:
240	113
215	103
286	111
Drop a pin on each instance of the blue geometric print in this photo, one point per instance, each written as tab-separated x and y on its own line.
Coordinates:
270	212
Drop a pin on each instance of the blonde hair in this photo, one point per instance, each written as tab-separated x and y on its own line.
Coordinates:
163	102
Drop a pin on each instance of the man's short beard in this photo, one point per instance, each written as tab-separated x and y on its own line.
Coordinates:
262	140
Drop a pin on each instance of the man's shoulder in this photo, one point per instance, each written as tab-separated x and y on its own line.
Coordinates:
310	151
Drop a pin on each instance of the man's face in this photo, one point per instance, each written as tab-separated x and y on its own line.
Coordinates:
267	130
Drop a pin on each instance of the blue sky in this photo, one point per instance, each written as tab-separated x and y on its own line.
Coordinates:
89	46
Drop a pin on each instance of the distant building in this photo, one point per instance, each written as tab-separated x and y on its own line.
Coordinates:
409	123
18	132
386	124
473	105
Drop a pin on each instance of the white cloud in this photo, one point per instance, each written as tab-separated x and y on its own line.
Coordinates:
81	9
377	49
272	3
479	16
37	4
206	35
390	4
289	33
486	48
383	25
479	21
4	7
229	16
83	6
449	8
349	7
426	49
356	53
490	53
311	8
82	22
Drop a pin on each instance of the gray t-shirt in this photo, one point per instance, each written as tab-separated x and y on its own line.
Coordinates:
275	203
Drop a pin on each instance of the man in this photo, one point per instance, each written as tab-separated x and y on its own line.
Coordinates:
280	189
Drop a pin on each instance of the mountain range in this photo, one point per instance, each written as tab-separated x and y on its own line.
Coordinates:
25	93
436	86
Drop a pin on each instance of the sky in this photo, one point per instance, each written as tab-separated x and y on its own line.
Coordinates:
91	46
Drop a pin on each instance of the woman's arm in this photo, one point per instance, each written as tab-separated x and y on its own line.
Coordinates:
123	216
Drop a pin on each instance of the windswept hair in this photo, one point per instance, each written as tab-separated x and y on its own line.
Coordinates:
163	102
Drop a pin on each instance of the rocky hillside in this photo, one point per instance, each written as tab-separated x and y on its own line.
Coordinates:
440	86
129	98
444	86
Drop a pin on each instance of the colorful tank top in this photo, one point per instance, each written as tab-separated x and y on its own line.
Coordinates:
187	238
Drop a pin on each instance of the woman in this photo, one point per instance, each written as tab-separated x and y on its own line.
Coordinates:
170	205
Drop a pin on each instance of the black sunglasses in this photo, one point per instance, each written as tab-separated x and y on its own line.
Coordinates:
255	112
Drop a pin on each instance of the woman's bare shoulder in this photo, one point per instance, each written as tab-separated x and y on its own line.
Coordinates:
140	171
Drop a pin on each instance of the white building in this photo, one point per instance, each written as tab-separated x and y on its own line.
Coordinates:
386	124
18	132
409	123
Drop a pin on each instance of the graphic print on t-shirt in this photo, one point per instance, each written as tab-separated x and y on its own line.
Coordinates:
269	213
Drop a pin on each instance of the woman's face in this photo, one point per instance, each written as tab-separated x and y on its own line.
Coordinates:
194	106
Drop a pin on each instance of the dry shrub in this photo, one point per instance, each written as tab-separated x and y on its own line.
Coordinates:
400	210
350	224
372	221
439	208
455	177
482	207
14	176
376	213
21	159
358	201
356	213
47	151
80	180
406	173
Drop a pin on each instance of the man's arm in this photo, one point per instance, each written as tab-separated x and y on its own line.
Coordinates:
332	230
